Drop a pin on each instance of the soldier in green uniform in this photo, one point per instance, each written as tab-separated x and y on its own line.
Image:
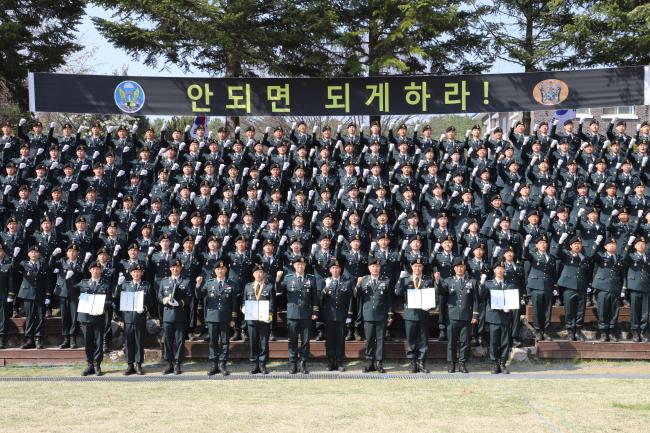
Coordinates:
638	285
35	295
174	294
499	321
540	284
335	296
375	300
460	293
416	320
258	330
302	308
573	282
135	322
6	287
608	286
70	271
93	325
220	301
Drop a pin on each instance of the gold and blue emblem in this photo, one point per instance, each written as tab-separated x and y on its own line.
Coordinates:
129	96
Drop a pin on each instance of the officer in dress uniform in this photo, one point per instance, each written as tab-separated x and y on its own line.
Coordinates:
638	285
175	295
375	301
608	287
35	295
540	283
302	308
135	322
258	330
221	300
93	325
335	296
416	320
6	287
573	282
499	321
70	271
461	296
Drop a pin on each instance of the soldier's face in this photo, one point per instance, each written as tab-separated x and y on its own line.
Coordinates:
37	129
136	274
576	247
164	244
299	267
542	246
121	133
568	128
335	271
34	255
23	194
479	253
355	244
95	272
46	226
520	128
6	130
499	271
459	270
175	270
374	269
12	226
258	275
220	272
417	269
2	253
544	129
640	247
133	253
611	247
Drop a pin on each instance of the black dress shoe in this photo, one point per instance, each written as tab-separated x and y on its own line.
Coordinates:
442	336
388	336
340	368
237	336
612	337
28	344
369	367
451	367
496	368
222	368
571	335
380	368
350	335
503	368
636	337
169	369
293	369
90	369
331	366
538	335
139	370
580	336
414	367
105	348
177	369
422	367
644	339
245	334
129	370
358	336
65	344
263	368
463	368
603	337
516	342
98	370
272	336
2	343
255	369
474	342
73	343
213	369
320	336
547	337
303	367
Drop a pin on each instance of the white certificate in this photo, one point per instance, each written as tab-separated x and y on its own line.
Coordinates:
132	301
256	310
504	299
92	304
421	299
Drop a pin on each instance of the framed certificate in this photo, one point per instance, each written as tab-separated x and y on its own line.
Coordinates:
504	299
256	310
92	304
132	301
421	299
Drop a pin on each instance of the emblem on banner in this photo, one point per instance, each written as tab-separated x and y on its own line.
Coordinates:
129	96
550	92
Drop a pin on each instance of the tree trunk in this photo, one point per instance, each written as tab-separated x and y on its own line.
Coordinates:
528	66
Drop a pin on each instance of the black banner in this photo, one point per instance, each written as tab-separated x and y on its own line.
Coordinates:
417	94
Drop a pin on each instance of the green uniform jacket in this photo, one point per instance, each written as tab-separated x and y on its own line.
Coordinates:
497	317
302	299
101	288
335	299
220	303
133	316
404	284
182	294
638	272
609	274
35	284
376	299
461	295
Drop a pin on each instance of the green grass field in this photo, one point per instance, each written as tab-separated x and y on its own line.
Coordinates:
398	405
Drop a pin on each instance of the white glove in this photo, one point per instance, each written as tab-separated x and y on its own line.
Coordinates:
58	221
466	251
339	128
553	144
631	240
22	165
433	222
425	188
368	209
314	129
614	212
563	238
40	151
496	251
405	243
254	243
187	128
584	145
283	240
436	247
394	189
455	194
568	185
87	257
496	222
164	126
556	293
311	194
362	127
483	278
233	217
599	239
150	251
581	212
158	219
192	196
120	173
542	189
16	251
590	168
401	216
176	247
41	188
56	252
522	215
47	301
98	226
464	226
533	161
7	189
7	145
69	274
208	218
28	222
314	248
552	214
267	129
644	161
112	128
132	226
173	303
117	249
95	154
314	215
527	240
293	125
183	215
84	167
339	239
22	122
144	172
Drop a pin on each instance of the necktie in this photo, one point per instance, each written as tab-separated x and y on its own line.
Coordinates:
417	282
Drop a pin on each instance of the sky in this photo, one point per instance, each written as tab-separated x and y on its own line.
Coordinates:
119	58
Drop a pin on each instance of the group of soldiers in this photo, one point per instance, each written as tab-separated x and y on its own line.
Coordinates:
331	226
